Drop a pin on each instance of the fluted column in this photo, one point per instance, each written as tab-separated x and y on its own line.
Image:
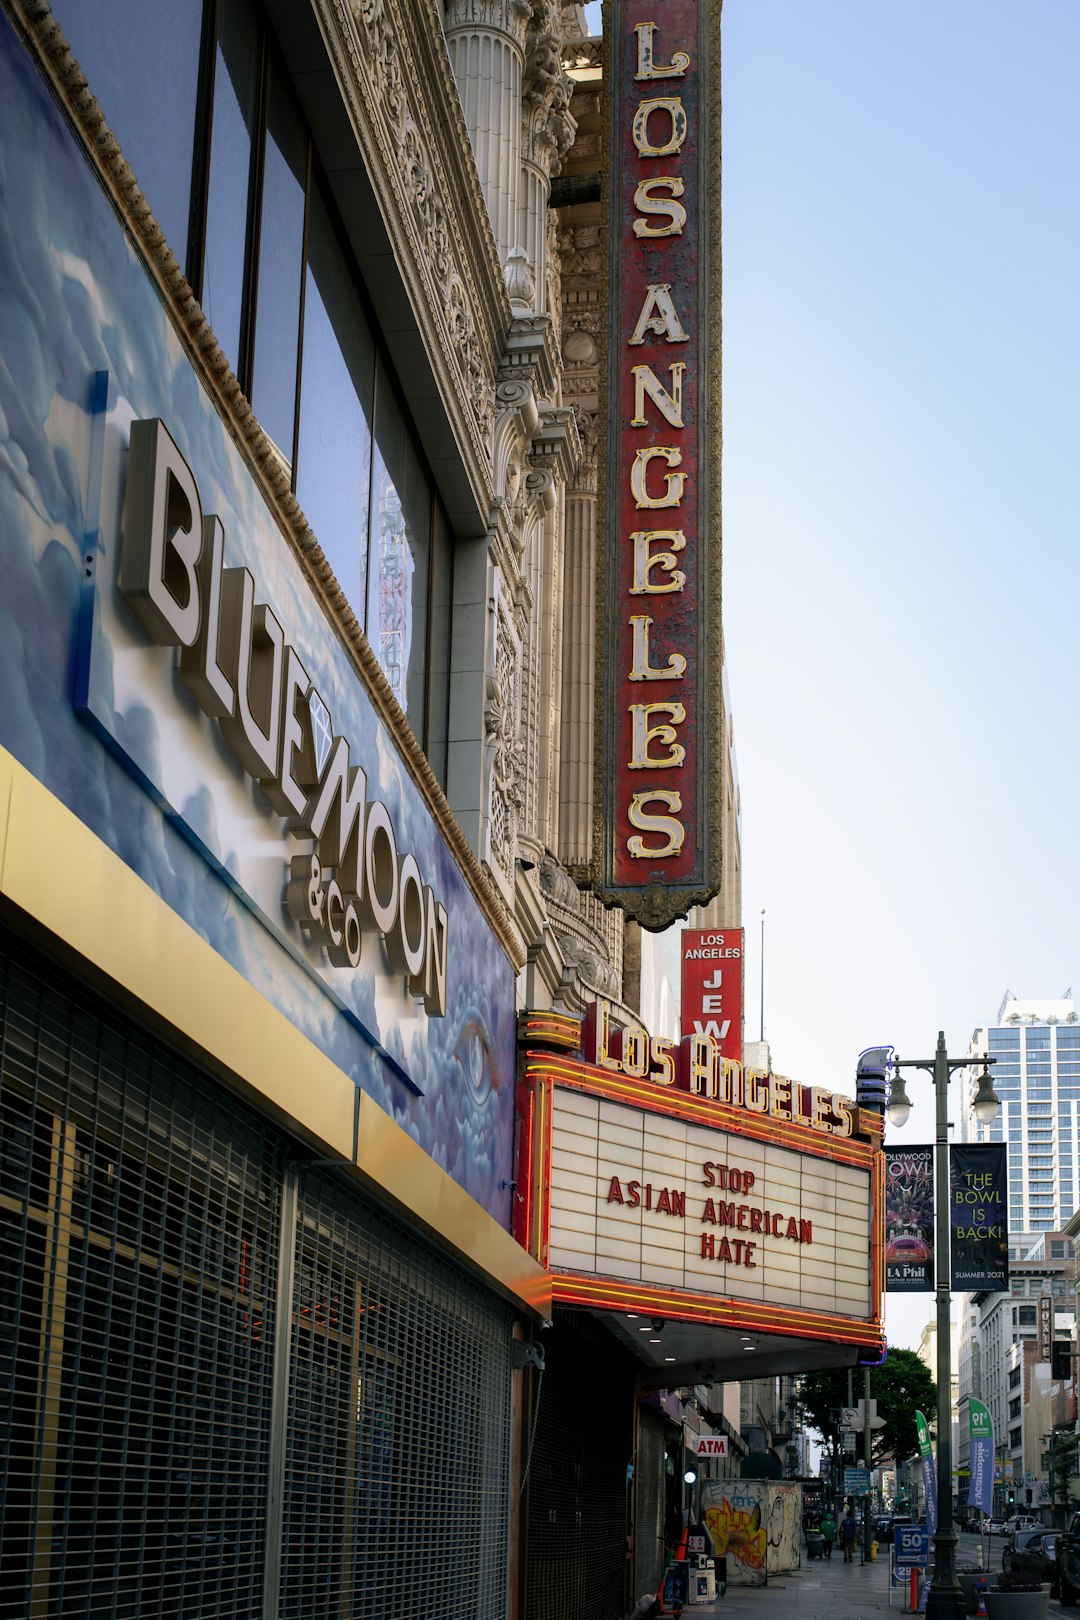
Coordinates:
578	663
486	43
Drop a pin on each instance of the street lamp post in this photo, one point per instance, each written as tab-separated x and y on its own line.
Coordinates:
945	1600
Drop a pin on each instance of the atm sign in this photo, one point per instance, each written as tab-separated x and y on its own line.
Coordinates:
712	1445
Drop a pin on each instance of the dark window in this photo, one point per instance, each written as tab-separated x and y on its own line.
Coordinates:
333	472
142	64
235	116
442	584
398	553
280	268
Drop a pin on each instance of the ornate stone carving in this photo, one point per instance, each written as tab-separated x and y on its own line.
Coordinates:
546	93
505	741
580	251
505	16
520	281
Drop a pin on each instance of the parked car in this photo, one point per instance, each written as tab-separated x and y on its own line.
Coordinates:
1022	1521
1031	1555
1068	1562
995	1527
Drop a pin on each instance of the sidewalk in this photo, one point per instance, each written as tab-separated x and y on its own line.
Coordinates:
823	1589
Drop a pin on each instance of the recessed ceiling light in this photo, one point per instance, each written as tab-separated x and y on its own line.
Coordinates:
645	1329
631	1316
669	1358
656	1341
746	1336
749	1346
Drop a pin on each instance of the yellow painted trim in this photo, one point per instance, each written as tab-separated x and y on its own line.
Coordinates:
389	1159
126	939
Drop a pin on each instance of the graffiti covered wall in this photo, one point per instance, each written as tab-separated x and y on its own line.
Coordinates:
756	1525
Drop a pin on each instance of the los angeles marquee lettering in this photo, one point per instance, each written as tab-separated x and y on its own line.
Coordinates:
696	1065
241	671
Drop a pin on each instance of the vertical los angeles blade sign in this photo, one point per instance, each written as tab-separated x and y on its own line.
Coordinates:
659	696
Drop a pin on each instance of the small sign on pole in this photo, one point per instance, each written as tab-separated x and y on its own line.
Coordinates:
911	1546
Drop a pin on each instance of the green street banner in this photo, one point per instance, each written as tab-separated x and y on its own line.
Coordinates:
981	1445
979	1217
926	1452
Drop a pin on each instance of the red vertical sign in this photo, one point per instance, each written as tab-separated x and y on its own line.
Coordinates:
660	719
712	986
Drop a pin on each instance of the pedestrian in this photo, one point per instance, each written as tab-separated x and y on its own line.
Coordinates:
849	1529
828	1530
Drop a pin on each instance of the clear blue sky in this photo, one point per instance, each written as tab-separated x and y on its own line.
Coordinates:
901	531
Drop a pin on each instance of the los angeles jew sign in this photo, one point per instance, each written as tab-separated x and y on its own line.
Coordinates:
662	1183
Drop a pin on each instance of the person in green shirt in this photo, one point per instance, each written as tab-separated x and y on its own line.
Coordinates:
828	1530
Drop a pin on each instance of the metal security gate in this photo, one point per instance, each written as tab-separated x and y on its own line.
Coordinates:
579	1480
172	1446
650	1499
397	1480
138	1255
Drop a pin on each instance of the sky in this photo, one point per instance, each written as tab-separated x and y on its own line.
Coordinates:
901	265
901	561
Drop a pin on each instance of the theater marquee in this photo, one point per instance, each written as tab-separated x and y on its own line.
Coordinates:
741	1203
659	702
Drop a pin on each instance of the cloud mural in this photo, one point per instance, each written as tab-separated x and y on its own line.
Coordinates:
78	304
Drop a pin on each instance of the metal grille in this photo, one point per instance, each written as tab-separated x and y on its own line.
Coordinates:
578	1488
138	1228
397	1478
649	1500
142	1214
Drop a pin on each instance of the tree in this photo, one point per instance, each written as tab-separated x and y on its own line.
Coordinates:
900	1387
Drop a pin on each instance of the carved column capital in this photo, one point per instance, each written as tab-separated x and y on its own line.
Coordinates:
509	17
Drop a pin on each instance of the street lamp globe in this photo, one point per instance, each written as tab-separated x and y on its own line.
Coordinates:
986	1101
899	1108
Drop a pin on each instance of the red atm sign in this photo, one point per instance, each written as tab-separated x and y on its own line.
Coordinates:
712	1445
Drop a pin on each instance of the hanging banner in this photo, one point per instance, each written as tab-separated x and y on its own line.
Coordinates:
981	1449
926	1452
979	1217
659	714
909	1220
1046	1328
712	986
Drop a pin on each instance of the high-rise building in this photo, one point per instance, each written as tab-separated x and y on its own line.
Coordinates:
1036	1048
1035	1044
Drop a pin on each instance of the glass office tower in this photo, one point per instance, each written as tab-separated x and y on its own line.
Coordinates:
1036	1047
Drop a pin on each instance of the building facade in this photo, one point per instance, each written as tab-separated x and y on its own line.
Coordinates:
1016	1356
1035	1044
1036	1073
301	413
299	422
